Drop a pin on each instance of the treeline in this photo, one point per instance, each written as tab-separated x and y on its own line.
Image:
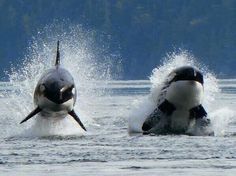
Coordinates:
143	31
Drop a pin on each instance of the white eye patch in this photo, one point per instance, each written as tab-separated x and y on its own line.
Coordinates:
73	91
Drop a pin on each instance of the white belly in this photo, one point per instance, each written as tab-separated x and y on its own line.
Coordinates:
185	95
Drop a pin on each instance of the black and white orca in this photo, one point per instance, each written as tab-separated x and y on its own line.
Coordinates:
55	94
179	104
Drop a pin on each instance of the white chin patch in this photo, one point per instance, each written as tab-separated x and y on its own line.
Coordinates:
185	94
49	106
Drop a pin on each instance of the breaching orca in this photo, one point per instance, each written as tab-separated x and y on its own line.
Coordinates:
55	94
179	104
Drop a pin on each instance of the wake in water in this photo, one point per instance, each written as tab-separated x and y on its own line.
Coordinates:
143	108
88	64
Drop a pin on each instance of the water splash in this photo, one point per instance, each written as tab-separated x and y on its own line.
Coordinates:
221	118
80	54
144	107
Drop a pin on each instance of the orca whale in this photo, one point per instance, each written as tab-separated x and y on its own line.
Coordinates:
179	104
55	94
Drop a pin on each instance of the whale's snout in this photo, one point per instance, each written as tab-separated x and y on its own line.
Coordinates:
187	73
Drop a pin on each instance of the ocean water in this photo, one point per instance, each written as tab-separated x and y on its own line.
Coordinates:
108	148
108	108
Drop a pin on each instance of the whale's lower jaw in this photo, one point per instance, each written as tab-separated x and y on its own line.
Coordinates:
52	114
185	94
51	109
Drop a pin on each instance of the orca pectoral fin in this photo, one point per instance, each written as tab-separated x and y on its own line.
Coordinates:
159	117
157	124
167	108
34	112
151	120
198	112
74	115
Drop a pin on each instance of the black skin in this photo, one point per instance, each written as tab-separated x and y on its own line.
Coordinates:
53	81
188	73
53	93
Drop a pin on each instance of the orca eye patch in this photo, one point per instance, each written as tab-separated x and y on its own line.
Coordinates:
67	89
73	90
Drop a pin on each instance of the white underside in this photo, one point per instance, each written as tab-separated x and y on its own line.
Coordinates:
51	109
184	95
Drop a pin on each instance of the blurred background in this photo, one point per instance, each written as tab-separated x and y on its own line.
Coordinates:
141	32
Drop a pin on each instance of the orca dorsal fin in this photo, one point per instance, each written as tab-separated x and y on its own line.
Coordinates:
58	55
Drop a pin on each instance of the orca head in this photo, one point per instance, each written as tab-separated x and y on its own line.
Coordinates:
58	86
187	73
185	88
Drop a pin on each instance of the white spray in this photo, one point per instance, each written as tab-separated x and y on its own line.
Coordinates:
81	56
143	108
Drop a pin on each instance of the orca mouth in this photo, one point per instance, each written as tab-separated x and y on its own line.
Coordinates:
188	74
57	94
